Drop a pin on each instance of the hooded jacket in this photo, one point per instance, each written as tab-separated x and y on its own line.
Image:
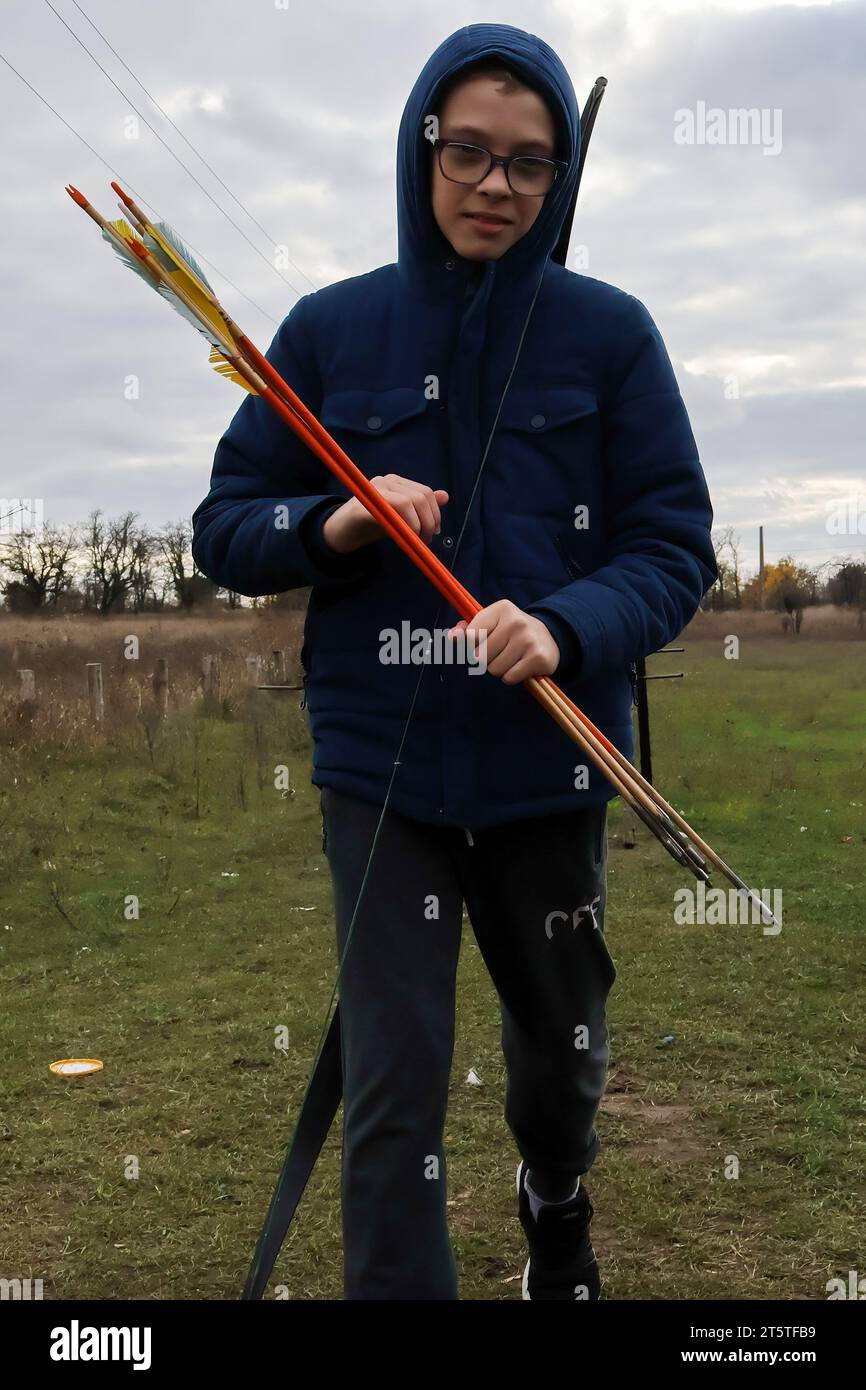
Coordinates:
592	510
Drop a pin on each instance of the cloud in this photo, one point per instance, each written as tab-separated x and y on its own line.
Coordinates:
750	264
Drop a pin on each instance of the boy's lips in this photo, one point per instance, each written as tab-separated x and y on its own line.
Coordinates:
488	221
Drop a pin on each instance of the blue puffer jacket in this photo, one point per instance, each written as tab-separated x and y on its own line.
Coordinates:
592	418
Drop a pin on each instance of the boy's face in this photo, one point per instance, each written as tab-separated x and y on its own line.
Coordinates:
482	220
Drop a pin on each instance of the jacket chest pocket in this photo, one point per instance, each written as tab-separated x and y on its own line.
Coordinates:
550	449
546	479
368	418
551	415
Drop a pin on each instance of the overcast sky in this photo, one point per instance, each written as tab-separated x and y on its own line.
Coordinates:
749	254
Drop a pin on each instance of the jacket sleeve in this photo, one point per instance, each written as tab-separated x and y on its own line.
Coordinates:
259	530
657	516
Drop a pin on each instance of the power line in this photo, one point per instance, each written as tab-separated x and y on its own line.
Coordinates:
14	512
174	156
152	99
121	177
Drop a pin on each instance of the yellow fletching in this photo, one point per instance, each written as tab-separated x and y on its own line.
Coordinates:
122	227
219	364
191	285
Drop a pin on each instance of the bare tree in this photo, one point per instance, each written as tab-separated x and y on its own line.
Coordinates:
40	566
116	553
734	544
189	585
726	592
721	591
142	577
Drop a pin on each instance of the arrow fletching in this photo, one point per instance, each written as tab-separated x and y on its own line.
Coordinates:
189	293
119	234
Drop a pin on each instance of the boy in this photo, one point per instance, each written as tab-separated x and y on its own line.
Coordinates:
527	423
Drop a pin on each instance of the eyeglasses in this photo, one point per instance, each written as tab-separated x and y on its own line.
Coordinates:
527	174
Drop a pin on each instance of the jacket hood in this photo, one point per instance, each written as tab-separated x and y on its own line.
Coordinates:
422	249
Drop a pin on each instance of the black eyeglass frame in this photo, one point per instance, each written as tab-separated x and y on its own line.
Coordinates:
506	160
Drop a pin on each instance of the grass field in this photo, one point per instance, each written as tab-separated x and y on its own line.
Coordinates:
767	755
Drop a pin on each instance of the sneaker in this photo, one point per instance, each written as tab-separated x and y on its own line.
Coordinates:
562	1263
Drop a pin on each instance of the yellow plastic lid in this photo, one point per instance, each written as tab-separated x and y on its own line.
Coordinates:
76	1066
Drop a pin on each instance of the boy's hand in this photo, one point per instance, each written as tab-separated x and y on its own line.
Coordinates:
351	526
518	645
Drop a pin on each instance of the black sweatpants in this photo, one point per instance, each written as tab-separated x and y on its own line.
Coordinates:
535	893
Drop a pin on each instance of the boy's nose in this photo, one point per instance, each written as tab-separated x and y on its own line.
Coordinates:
495	182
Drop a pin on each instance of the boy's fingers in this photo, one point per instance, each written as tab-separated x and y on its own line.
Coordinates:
493	618
440	497
520	671
404	508
428	511
487	618
508	662
420	499
424	517
496	637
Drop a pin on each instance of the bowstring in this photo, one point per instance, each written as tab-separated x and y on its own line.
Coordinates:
413	703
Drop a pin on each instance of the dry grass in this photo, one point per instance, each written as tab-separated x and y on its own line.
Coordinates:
58	650
822	623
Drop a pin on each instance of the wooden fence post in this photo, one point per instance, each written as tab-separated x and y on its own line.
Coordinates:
27	704
160	686
210	671
26	687
278	668
95	691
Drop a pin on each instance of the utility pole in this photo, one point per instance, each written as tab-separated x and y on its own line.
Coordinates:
761	567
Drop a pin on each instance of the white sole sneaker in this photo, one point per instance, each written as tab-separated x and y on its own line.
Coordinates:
524	1284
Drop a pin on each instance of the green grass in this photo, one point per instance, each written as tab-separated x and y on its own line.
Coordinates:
766	1065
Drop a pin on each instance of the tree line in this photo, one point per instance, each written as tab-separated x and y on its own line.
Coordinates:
788	587
111	566
122	565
